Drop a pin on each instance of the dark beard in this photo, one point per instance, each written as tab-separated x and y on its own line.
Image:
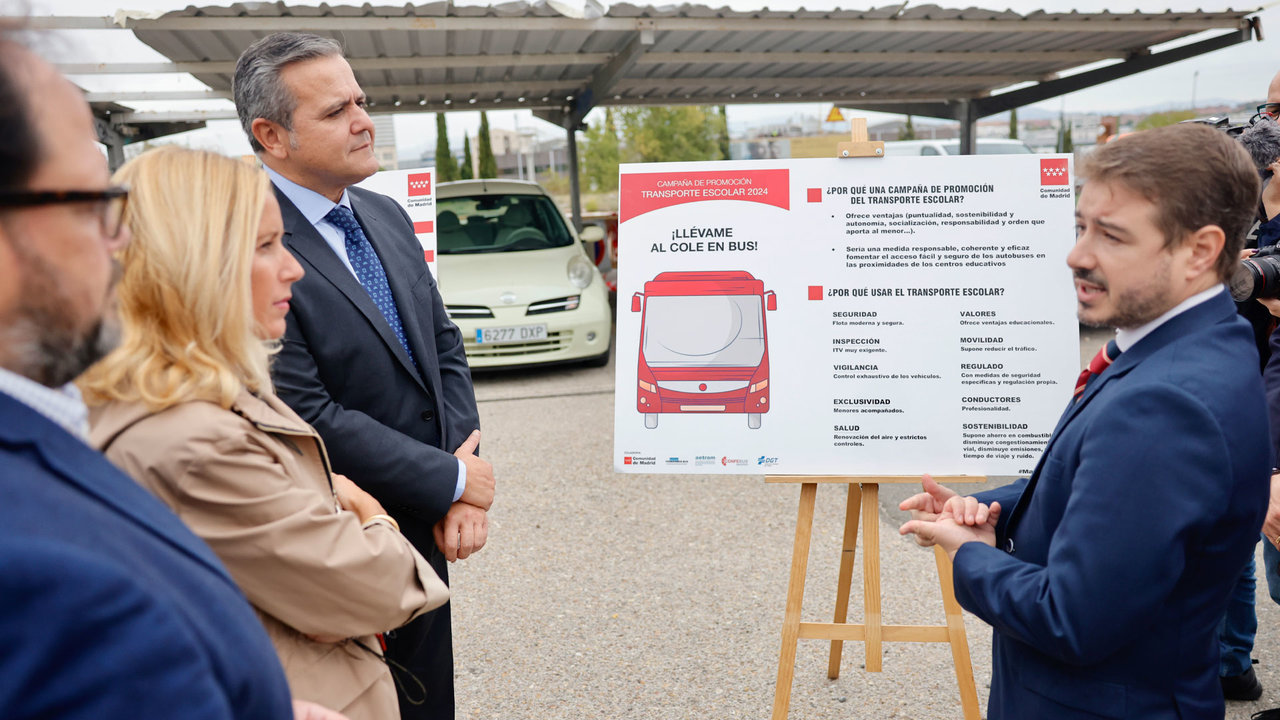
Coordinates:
53	356
37	341
1136	307
1134	312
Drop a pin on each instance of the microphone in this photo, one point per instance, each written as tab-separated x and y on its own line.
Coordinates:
1262	141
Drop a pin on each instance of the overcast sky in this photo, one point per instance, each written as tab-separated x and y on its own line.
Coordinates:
1238	73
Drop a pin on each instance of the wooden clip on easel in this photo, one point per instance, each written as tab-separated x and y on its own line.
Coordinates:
859	146
863	501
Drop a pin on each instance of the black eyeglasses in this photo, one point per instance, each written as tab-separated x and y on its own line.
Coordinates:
1271	109
112	202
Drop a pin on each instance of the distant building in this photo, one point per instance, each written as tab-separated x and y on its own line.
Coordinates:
521	155
892	130
384	141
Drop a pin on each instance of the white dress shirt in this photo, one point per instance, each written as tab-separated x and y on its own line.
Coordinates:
1127	338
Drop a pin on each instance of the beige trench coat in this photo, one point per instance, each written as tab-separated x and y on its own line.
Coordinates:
254	483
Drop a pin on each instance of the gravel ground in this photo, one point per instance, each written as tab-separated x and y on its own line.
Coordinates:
661	596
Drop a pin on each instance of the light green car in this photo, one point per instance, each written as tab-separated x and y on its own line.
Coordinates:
515	277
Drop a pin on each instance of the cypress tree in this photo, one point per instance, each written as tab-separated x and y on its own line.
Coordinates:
488	164
724	132
446	166
465	172
908	131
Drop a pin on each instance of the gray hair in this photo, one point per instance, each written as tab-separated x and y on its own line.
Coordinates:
257	88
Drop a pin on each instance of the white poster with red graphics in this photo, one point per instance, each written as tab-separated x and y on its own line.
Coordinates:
869	316
415	190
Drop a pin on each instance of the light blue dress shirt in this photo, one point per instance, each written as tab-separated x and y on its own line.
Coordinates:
63	405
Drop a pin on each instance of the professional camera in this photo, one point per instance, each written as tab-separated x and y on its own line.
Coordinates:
1218	122
1260	137
1257	276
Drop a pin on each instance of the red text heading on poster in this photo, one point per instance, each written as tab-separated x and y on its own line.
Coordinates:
643	192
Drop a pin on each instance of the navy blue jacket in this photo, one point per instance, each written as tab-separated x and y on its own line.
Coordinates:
1115	559
111	607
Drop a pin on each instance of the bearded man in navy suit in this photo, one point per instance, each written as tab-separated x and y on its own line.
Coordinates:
1105	574
370	357
112	607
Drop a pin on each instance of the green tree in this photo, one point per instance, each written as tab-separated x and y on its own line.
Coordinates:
488	163
907	131
671	133
554	183
724	132
446	166
465	172
1161	119
1064	134
1013	124
601	153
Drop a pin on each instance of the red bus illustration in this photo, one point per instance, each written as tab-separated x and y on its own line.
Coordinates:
703	345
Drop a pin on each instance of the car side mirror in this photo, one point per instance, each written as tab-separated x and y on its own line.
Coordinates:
591	233
635	302
770	301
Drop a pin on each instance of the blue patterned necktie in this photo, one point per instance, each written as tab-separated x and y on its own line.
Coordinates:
369	271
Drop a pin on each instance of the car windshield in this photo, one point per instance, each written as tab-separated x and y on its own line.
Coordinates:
703	331
498	223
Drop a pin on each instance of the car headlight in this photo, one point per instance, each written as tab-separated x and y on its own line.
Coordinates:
580	272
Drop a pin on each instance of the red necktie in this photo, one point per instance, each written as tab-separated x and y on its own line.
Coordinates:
1106	355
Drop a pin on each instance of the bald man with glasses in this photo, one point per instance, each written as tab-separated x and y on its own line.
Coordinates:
1240	624
1268	233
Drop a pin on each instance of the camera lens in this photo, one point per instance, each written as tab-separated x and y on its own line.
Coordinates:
1256	277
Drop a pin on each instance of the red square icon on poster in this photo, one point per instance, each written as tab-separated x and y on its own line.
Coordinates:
419	184
1053	171
815	292
815	195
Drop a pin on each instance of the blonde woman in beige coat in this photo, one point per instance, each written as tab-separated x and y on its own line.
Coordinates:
185	406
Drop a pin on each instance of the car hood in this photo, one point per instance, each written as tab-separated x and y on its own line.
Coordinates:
529	275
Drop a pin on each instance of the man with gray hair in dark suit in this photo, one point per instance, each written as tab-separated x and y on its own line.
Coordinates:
370	357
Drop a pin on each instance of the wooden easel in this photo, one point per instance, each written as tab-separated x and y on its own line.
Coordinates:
863	501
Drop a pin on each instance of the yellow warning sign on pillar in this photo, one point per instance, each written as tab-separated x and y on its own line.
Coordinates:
834	115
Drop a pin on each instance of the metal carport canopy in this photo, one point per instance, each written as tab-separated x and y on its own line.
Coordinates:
924	60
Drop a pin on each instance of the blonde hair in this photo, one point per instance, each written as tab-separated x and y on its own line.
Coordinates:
185	295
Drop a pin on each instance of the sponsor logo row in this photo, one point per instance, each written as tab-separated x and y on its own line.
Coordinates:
699	461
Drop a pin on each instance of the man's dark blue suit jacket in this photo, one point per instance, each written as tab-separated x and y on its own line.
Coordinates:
1114	560
109	606
391	424
388	424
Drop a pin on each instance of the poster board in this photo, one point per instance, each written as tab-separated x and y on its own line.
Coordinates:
886	316
415	190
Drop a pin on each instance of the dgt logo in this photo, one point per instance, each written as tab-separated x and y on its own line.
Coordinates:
419	184
1053	171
